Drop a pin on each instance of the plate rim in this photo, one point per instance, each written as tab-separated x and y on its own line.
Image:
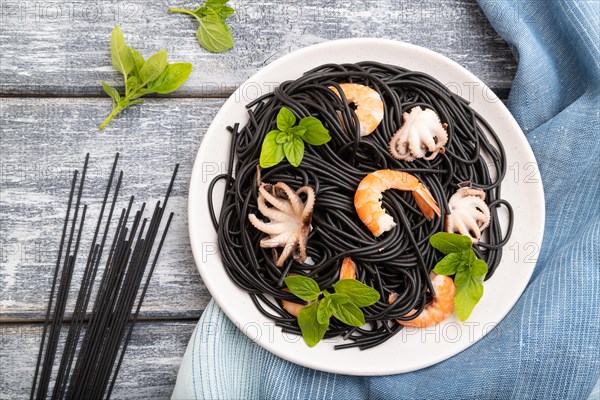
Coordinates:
194	184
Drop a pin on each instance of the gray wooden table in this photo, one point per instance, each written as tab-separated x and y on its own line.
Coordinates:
52	57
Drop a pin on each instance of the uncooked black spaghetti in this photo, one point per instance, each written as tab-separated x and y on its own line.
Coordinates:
400	260
88	368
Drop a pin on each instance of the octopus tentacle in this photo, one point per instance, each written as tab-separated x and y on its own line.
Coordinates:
469	214
421	132
302	237
281	204
289	220
269	212
275	241
267	227
288	250
293	198
427	139
310	201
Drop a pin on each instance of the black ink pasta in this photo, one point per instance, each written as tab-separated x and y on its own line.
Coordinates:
398	261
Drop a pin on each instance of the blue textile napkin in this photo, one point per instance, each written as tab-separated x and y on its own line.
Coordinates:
548	346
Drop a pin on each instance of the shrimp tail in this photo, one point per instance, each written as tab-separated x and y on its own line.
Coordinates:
348	270
426	202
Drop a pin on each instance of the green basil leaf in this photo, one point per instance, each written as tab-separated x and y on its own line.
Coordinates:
339	298
138	60
132	85
213	34
223	12
450	242
303	287
360	294
324	311
204	10
171	78
449	264
121	56
468	258
111	91
462	278
349	314
141	77
479	269
315	134
215	3
294	151
297	131
312	330
153	67
468	293
226	12
285	119
282	137
326	305
271	152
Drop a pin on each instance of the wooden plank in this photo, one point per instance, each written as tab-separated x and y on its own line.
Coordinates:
43	141
62	49
149	368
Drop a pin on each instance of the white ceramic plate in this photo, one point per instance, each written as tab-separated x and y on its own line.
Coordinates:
411	349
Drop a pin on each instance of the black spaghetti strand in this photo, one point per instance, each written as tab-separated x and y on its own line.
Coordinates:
53	288
85	371
87	283
63	292
398	261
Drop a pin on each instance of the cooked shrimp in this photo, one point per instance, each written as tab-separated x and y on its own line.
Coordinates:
367	199
440	308
292	308
347	271
369	107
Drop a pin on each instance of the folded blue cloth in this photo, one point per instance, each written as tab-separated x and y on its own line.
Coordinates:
549	344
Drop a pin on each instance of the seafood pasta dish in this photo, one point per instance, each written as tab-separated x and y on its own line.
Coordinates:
361	199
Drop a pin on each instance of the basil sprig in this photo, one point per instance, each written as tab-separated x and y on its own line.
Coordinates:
154	75
469	271
213	33
344	305
287	141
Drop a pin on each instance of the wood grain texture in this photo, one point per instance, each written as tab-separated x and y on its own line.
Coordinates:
44	140
62	48
149	368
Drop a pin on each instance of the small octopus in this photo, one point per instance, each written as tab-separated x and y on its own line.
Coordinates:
421	133
290	219
469	215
